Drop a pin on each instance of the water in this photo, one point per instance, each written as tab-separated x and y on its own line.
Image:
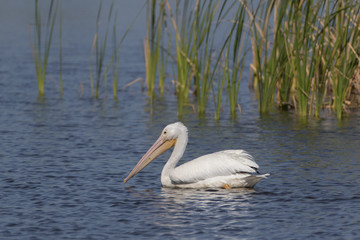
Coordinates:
62	161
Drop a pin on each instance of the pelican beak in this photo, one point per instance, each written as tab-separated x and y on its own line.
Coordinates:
161	145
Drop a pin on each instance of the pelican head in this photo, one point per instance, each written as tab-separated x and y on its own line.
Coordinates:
167	139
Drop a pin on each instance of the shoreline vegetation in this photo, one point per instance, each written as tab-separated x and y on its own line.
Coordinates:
302	56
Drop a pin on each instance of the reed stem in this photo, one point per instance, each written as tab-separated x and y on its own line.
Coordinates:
40	53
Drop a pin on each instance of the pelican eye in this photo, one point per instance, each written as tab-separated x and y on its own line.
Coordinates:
165	132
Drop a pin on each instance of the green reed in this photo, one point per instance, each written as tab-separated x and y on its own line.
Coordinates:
163	53
218	90
104	64
203	41
155	58
234	74
285	82
41	53
151	46
116	60
313	49
323	60
183	34
99	49
230	60
302	52
347	34
268	59
221	67
318	50
195	33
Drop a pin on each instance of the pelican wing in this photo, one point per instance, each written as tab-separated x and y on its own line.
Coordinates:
223	163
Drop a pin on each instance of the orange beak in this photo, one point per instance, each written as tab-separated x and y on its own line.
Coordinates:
160	146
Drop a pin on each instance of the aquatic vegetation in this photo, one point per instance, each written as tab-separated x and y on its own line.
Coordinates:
320	47
99	49
151	46
310	53
304	53
203	41
346	43
268	59
218	91
41	44
232	63
116	60
196	60
234	75
103	62
154	36
163	53
322	62
184	74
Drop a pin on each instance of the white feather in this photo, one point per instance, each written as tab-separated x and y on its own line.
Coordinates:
223	163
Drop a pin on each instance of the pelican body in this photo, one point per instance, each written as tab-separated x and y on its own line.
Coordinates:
224	169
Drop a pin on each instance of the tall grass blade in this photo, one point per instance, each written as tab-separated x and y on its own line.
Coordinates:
234	74
99	50
40	54
115	59
347	32
151	47
267	59
164	56
184	74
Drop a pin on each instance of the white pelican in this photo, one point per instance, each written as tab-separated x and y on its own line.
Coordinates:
224	169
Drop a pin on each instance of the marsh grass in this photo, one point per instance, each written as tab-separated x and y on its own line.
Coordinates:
107	63
234	74
346	40
306	32
323	61
151	47
196	61
99	50
116	60
309	53
267	59
218	90
202	57
319	49
155	60
232	62
164	51
184	74
42	43
304	53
